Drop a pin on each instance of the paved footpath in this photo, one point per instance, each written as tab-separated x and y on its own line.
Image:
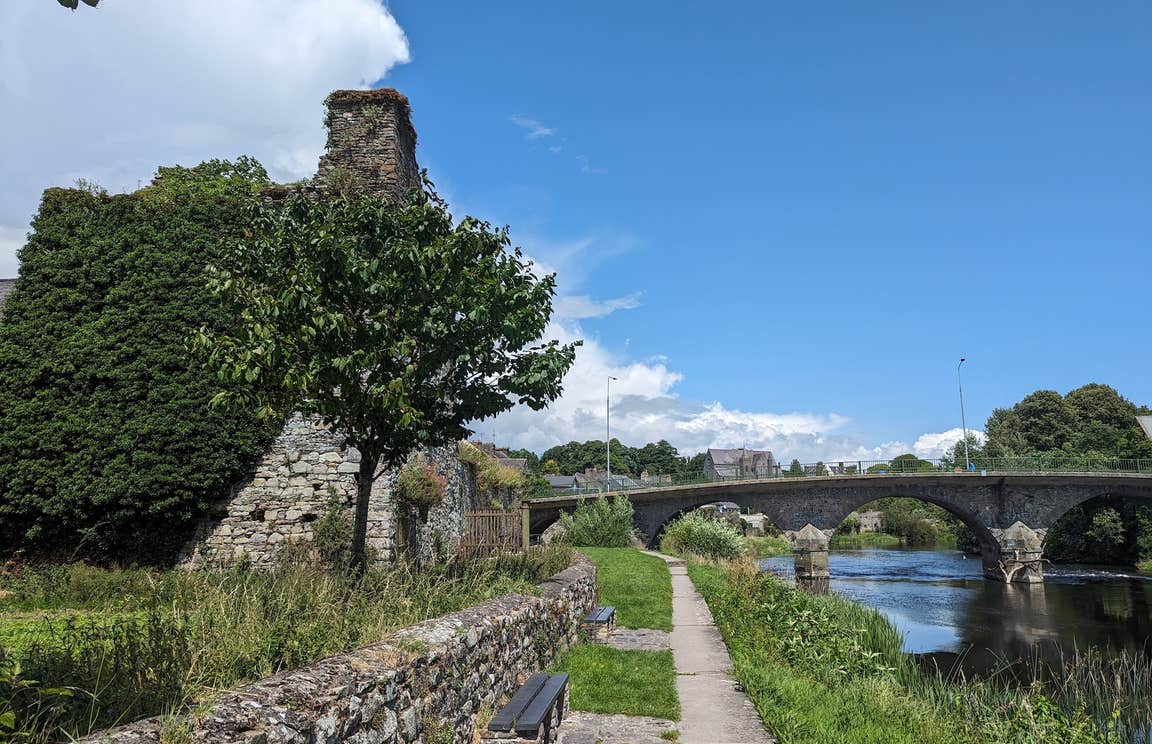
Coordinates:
713	710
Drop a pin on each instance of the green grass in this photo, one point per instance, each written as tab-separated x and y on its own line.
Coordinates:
865	540
768	546
1145	566
131	644
638	585
823	669
609	680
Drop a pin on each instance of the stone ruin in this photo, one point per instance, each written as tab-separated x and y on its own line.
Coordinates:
309	469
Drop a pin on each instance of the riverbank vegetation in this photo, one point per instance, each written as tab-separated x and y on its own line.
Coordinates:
768	546
699	533
631	682
84	648
823	669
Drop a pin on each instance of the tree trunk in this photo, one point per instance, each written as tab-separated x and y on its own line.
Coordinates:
360	526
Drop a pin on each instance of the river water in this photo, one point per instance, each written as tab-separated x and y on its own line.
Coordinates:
950	616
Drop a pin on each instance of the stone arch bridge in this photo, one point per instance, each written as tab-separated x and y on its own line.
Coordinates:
1009	512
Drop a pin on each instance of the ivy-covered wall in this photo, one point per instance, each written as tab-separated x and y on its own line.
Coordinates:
108	449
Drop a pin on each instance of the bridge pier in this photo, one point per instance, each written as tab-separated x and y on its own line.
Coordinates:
1016	556
810	554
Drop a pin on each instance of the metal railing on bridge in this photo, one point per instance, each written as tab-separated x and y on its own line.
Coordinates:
1026	464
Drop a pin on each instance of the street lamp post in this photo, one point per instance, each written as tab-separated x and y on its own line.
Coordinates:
608	427
963	421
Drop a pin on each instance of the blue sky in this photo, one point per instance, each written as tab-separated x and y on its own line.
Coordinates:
780	224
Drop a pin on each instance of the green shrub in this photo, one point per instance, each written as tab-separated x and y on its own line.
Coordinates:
419	486
702	535
108	449
599	523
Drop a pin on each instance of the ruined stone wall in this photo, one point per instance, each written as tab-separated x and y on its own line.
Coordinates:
371	148
429	682
308	471
371	144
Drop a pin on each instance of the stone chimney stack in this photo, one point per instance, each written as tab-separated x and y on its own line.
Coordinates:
371	144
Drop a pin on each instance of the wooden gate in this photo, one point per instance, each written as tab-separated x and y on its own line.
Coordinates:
491	532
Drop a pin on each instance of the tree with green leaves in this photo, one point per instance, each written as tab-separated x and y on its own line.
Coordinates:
390	322
795	469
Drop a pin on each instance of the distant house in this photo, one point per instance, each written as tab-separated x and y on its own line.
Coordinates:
870	521
1145	424
739	463
561	484
6	287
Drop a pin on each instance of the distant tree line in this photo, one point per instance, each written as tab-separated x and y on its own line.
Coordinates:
657	458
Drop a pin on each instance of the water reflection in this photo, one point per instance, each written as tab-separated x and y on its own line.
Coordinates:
950	615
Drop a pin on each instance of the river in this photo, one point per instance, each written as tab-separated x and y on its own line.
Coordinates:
949	615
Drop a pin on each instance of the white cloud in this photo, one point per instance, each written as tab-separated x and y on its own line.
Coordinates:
575	307
110	93
934	445
534	129
646	408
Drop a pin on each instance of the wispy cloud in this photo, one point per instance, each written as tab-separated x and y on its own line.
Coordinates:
576	307
587	167
534	129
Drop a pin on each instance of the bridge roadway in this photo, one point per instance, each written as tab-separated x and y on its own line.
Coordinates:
1010	512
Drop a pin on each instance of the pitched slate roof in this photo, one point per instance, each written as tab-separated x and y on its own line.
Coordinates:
6	286
1146	424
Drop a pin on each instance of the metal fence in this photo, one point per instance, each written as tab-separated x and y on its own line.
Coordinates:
489	532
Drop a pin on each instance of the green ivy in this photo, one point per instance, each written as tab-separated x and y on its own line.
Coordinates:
108	449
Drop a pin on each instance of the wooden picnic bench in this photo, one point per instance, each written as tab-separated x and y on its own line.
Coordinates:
534	712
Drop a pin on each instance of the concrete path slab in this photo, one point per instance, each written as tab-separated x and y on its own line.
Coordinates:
595	728
713	709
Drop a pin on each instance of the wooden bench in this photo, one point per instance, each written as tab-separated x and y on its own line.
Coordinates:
600	622
534	712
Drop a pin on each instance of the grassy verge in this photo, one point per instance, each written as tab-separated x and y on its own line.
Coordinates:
865	540
638	585
1145	566
768	547
609	680
131	644
822	669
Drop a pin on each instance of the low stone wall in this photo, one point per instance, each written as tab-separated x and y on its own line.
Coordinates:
427	683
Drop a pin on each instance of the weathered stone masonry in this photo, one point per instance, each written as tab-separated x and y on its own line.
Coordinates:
308	470
426	680
371	148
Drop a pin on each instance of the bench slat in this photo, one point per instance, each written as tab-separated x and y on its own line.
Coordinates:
606	613
528	724
506	717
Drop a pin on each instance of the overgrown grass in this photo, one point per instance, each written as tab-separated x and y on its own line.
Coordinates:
1145	566
768	547
864	540
701	534
822	669
609	680
147	644
638	585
